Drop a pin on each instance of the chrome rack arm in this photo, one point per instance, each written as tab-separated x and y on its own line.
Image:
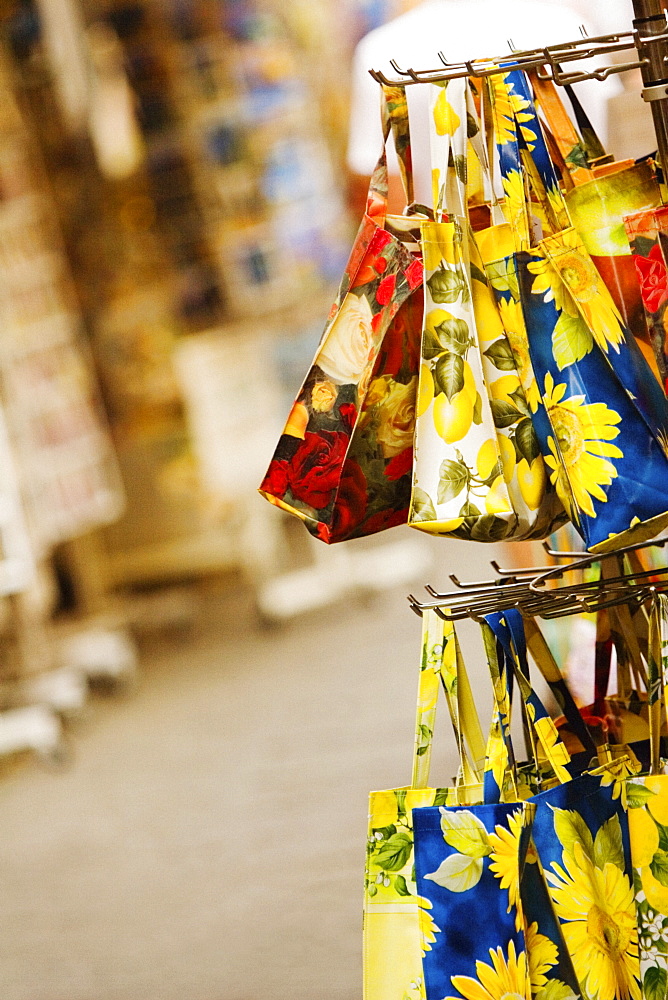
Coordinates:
582	48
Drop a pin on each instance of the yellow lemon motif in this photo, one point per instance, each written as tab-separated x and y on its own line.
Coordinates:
487	319
438	244
469	382
644	836
502	388
531	479
658	804
656	893
434	318
488	456
452	419
425	390
496	501
445	526
446	119
508	457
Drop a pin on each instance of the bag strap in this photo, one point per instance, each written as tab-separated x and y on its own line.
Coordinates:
395	105
393	118
508	630
593	147
442	665
569	144
657	686
546	663
524	158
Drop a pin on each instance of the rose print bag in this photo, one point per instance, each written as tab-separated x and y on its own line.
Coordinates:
343	463
602	420
398	925
647	232
478	470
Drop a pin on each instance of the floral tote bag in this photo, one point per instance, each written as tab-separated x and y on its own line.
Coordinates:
343	462
647	232
598	195
398	922
602	418
647	803
478	470
494	925
581	836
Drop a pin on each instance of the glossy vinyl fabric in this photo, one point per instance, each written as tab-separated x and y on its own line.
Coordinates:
602	418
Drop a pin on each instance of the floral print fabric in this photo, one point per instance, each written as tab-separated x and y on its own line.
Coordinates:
343	462
602	420
479	472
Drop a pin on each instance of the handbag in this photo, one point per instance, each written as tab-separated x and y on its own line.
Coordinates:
478	470
480	861
602	420
647	233
343	462
598	195
647	802
581	836
398	923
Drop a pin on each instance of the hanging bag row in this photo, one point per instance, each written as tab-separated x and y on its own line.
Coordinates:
602	419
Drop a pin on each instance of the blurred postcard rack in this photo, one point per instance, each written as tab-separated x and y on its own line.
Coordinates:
59	471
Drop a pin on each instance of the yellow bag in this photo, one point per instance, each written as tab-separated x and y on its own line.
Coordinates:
397	923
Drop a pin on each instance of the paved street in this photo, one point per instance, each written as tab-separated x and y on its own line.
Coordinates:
207	840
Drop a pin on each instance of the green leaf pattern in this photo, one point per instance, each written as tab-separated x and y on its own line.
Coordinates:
469	429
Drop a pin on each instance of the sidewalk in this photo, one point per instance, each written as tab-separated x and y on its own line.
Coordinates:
207	840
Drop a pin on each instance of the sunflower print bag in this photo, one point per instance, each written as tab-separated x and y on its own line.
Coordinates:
478	470
647	803
602	419
343	462
495	931
398	923
581	837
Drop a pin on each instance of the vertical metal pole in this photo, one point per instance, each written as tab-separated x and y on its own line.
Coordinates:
650	21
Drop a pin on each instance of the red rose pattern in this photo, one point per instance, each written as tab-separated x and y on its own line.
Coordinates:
653	279
351	502
313	471
319	472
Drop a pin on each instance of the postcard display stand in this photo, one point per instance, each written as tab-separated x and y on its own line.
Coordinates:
256	139
59	475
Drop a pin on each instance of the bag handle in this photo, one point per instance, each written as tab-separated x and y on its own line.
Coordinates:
524	158
393	118
546	663
570	146
657	686
442	665
449	151
506	637
395	106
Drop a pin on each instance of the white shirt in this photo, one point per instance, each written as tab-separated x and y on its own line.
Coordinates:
464	29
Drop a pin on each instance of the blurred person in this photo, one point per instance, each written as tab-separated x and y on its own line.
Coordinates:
460	29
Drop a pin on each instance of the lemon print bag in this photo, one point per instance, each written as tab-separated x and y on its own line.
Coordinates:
478	470
398	925
602	416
